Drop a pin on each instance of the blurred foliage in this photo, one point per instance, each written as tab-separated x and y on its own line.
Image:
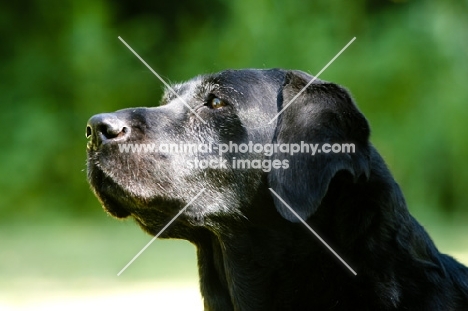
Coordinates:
61	62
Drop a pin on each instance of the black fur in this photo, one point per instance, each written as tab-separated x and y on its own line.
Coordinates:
253	253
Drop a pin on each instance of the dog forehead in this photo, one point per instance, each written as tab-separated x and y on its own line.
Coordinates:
248	77
241	81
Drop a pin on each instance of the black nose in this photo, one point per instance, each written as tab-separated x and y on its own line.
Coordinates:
106	127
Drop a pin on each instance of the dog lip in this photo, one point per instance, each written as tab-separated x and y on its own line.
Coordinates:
109	204
119	212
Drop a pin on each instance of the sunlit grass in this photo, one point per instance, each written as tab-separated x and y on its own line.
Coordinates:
74	266
60	263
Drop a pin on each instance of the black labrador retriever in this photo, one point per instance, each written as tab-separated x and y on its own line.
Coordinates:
254	253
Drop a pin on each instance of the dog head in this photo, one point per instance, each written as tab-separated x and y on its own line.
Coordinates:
150	163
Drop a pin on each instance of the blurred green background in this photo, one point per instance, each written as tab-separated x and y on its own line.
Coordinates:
61	62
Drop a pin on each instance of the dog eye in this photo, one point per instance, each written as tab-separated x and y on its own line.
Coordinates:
216	103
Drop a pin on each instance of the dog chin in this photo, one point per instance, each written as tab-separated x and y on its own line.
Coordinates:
105	196
112	208
116	211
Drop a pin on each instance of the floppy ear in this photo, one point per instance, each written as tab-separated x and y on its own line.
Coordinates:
324	113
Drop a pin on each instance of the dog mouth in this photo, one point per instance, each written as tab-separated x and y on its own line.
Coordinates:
109	194
112	207
151	215
121	202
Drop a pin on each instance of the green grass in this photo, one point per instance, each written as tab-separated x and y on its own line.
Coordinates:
451	239
91	250
39	260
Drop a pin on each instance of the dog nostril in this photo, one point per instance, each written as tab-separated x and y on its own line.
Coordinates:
112	130
89	131
105	127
